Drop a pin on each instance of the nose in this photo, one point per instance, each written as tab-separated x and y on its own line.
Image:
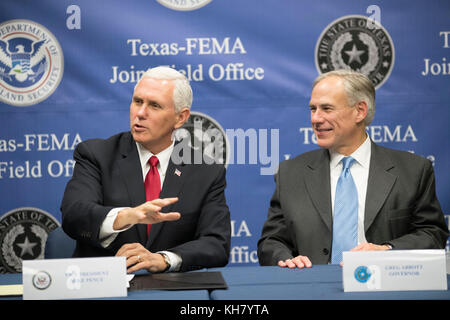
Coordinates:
141	111
316	116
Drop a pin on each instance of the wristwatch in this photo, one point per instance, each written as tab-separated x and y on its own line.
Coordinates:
166	260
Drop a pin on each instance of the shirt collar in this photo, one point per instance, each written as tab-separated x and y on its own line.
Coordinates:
163	156
361	155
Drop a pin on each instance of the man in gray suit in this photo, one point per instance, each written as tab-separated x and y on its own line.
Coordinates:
396	204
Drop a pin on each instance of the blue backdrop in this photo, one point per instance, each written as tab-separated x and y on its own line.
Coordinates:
68	68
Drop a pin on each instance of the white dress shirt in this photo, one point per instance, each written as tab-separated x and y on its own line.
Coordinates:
108	234
360	174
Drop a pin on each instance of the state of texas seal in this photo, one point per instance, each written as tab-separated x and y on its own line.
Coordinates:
31	63
358	43
23	234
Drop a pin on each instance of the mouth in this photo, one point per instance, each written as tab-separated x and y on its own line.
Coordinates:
138	128
322	131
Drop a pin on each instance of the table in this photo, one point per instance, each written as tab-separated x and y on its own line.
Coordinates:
321	282
16	278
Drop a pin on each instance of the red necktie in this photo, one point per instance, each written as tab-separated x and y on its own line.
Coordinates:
152	183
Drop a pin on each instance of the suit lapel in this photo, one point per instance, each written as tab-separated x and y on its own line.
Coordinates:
379	184
173	182
130	169
317	180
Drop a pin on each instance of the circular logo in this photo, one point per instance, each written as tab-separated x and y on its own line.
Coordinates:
23	234
205	134
42	280
184	5
362	274
31	63
358	43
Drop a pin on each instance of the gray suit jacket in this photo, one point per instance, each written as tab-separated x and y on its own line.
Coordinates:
401	206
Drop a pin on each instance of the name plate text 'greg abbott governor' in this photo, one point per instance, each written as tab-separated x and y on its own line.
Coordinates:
394	270
74	278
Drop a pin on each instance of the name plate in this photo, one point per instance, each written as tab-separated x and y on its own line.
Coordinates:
394	270
74	278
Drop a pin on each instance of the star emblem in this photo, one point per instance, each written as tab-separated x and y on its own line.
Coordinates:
354	54
27	247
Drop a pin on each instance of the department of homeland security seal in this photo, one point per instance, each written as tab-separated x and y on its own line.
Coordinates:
206	135
23	234
358	43
31	63
184	5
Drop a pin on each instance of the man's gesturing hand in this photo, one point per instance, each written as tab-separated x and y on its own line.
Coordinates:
147	213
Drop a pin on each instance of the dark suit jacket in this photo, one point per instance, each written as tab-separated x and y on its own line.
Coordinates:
108	174
401	206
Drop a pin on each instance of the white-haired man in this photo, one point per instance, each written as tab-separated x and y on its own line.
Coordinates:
110	206
351	194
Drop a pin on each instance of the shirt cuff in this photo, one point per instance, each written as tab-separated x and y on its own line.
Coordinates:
107	233
174	260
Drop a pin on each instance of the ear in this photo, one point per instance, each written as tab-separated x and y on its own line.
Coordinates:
182	117
361	109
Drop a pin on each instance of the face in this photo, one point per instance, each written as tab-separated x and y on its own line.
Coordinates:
337	126
152	114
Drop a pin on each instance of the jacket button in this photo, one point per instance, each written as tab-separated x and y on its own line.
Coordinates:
325	251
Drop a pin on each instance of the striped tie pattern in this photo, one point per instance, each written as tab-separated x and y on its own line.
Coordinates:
345	220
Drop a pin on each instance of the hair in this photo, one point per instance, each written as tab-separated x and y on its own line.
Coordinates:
358	87
182	91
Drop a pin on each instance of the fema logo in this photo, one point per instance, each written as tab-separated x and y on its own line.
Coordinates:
31	63
362	274
23	234
357	43
184	5
205	134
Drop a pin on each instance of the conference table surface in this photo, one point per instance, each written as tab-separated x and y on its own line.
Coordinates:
16	278
321	282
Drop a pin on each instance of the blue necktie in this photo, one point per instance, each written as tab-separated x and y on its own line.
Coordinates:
345	221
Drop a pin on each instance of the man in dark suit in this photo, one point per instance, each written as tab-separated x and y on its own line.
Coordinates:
106	205
395	201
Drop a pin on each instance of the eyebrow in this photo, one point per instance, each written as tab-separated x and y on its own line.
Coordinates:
321	105
150	102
